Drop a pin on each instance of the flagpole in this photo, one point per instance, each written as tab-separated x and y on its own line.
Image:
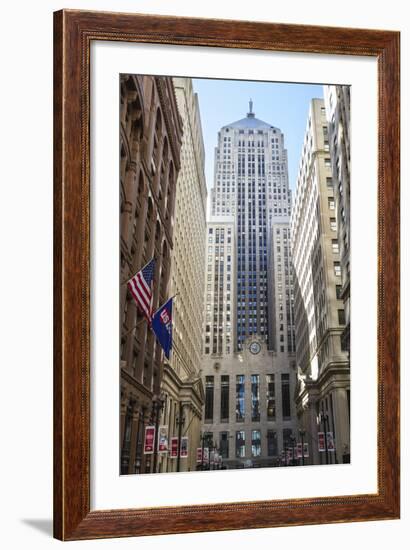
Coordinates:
134	327
138	270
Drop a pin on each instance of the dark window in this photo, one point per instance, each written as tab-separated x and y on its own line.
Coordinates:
270	397
341	316
255	398
287	434
224	444
272	443
224	398
209	398
240	444
285	396
240	398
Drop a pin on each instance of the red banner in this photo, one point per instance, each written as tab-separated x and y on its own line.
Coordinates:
174	447
149	440
199	455
321	441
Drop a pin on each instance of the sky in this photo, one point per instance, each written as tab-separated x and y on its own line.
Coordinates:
284	106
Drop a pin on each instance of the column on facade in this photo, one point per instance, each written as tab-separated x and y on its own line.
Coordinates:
342	423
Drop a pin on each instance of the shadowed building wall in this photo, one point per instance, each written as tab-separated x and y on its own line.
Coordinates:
150	143
337	102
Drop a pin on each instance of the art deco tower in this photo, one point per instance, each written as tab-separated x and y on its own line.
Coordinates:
251	184
248	366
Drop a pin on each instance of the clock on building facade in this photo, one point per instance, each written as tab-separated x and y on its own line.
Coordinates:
254	347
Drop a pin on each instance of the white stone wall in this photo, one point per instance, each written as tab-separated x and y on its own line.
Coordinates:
187	266
246	363
220	287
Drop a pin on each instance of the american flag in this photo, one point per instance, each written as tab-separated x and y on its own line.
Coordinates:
140	287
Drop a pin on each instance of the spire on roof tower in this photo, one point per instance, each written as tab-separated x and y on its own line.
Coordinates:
251	114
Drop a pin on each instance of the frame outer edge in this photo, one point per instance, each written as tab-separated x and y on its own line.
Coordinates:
71	419
72	517
389	166
58	493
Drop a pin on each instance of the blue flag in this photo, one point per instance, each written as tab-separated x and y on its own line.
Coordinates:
162	326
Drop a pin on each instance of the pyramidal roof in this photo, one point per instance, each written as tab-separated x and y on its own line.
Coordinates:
250	121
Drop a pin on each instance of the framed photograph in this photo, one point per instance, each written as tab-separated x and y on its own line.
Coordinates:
226	275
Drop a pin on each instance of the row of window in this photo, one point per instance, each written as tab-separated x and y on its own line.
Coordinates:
255	442
240	394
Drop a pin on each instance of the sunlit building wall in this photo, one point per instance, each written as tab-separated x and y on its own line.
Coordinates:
323	394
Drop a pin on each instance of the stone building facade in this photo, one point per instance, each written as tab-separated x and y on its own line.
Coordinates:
280	290
181	386
220	287
323	392
150	143
337	103
251	183
250	414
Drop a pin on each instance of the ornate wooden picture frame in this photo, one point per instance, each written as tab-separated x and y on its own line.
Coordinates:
74	32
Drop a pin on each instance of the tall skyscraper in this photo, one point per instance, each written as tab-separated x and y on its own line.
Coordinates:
323	393
250	413
337	103
251	183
